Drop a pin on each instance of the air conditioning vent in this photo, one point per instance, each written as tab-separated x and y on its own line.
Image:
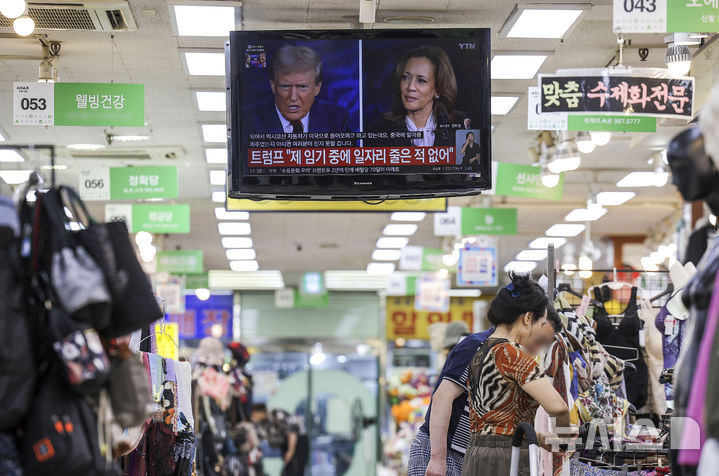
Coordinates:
91	15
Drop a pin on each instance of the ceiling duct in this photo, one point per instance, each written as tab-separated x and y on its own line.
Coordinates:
130	153
91	15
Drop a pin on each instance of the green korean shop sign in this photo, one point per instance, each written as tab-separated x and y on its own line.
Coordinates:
161	218
99	104
692	15
131	183
600	122
515	180
489	221
180	261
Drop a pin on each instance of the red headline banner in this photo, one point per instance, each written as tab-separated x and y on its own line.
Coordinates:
351	156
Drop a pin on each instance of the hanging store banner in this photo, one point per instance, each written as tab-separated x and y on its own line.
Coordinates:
401	284
419	205
172	293
670	97
180	262
477	267
602	122
99	104
515	180
404	321
161	218
132	183
33	104
417	258
432	293
199	316
536	121
666	16
489	221
448	223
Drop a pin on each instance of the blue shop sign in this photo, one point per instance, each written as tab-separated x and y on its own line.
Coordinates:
200	316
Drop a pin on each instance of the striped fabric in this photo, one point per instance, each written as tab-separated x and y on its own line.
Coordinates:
420	453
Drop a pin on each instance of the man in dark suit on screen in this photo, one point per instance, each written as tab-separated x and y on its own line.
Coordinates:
296	80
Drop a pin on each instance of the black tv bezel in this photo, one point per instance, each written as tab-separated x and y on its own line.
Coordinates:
346	187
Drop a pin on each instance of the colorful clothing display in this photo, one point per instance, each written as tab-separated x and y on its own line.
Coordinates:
673	332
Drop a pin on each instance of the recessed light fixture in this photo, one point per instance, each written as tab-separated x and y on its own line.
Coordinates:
544	243
205	63
216	156
218	177
12	8
396	229
520	266
586	214
386	255
601	137
407	216
211	101
244	265
501	105
214	132
219	197
380	268
392	242
240	254
222	214
532	255
541	21
565	229
644	179
9	155
196	20
15	177
520	66
610	199
234	228
236	242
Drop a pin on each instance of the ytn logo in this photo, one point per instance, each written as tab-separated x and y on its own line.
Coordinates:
467	46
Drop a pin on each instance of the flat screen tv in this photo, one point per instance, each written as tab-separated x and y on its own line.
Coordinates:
358	114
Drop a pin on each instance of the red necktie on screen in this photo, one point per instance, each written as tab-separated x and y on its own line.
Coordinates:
297	127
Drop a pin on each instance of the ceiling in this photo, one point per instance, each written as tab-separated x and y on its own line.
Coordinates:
318	241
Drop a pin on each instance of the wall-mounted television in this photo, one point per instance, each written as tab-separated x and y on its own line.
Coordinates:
358	114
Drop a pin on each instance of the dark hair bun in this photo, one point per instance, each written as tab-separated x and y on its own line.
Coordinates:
522	295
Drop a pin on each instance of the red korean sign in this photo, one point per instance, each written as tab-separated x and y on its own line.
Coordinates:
404	321
672	97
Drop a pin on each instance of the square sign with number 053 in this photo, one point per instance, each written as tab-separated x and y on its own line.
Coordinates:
33	104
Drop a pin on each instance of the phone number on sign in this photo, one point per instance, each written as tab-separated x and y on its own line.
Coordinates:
351	157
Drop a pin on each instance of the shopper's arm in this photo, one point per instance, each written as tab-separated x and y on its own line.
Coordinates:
544	392
439	418
291	446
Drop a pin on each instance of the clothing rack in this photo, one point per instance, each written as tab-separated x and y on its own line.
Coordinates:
49	147
652	284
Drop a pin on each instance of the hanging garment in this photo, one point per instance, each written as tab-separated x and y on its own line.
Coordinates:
654	357
184	391
578	468
673	332
626	334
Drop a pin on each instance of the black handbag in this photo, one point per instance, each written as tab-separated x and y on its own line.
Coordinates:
134	303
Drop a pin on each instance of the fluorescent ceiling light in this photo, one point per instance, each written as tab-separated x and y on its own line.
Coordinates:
396	229
520	266
218	197
2	137
236	242
516	66
501	105
205	64
380	268
407	216
586	214
540	243
565	229
386	255
240	254
354	281
237	281
610	199
195	20
218	177
244	265
216	156
85	146
644	179
15	177
222	214
9	155
211	101
214	133
234	228
541	22
532	255
465	293
129	138
387	242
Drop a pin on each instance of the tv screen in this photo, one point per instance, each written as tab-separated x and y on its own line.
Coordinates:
358	114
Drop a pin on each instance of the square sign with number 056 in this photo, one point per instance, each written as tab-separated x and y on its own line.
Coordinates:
95	184
33	104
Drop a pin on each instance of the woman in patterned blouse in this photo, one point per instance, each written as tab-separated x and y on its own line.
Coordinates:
506	384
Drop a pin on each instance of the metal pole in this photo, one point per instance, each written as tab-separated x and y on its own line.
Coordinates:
551	272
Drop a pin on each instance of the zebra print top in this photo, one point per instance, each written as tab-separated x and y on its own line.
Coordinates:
496	400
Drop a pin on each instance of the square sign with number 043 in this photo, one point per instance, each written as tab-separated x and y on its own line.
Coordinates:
95	184
33	104
640	16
